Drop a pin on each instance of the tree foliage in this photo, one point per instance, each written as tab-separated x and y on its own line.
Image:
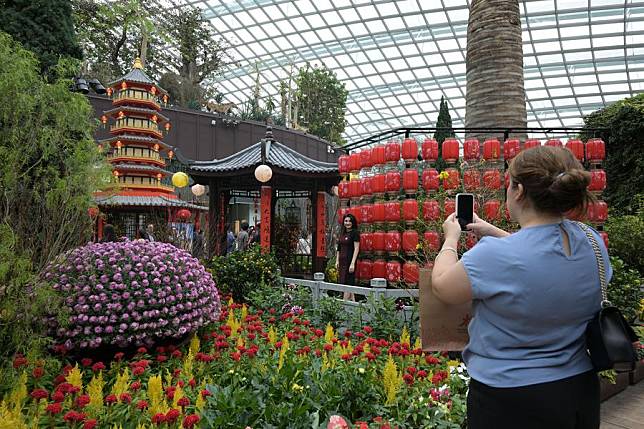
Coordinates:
321	101
624	137
45	27
444	121
50	167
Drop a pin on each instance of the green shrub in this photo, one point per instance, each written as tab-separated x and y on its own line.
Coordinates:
282	298
241	272
625	236
624	290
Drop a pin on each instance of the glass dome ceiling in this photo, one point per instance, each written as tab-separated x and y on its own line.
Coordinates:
397	58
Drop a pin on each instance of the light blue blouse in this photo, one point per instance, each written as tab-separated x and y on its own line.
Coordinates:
531	305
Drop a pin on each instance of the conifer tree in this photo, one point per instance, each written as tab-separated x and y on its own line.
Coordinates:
444	121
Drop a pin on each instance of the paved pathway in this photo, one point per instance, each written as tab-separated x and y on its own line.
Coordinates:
624	410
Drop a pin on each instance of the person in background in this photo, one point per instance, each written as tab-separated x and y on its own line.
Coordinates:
347	253
243	237
533	294
255	236
142	234
108	233
150	233
303	245
197	244
230	240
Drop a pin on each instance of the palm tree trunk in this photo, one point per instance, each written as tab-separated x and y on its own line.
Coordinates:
495	92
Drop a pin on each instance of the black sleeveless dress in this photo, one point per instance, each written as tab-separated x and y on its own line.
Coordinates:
346	248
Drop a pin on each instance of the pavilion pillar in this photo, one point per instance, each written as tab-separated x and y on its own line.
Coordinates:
266	210
99	229
214	209
319	235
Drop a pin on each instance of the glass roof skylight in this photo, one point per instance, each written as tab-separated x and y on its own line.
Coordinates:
398	57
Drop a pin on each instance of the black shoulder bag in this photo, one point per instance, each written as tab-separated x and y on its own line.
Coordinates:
609	338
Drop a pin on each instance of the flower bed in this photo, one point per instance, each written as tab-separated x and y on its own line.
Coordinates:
248	369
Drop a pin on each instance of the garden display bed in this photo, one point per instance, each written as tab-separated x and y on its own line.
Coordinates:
607	389
637	374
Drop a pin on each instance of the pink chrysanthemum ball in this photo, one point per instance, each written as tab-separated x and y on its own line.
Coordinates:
131	293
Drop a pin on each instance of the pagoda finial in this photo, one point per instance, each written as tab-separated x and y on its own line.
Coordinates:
138	64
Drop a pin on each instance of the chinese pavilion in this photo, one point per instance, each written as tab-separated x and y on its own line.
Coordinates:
138	156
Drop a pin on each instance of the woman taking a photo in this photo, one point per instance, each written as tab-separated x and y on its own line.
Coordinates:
533	294
347	253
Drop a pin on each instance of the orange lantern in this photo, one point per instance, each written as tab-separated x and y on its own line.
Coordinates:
119	144
121	114
153	90
115	173
109	92
170	154
156	147
154	118
165	98
167	126
104	119
159	176
123	85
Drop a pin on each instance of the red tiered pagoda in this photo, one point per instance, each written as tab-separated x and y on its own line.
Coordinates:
138	155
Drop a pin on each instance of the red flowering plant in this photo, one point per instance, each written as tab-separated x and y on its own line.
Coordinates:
248	369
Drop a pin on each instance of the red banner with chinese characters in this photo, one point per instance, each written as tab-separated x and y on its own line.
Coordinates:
221	222
265	229
320	229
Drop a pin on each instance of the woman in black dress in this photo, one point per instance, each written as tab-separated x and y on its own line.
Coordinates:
347	253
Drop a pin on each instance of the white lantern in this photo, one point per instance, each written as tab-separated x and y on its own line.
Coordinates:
263	173
198	190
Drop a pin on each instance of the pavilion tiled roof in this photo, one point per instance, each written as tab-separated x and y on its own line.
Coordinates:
134	138
277	155
137	75
140	167
137	110
139	201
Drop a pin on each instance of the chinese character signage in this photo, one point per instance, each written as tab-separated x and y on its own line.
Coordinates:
265	230
320	229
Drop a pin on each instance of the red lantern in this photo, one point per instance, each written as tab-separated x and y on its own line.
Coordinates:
471	179
450	207
341	214
365	158
598	212
433	240
378	155
379	269
366	213
529	144
430	180
453	179
104	119
355	188
470	240
378	184
471	149
604	236
431	210
167	126
394	271
450	150
410	150
511	148
429	150
392	211
366	242
354	162
506	179
378	241
410	180
410	273
595	150
343	190
366	186
554	143
392	241
378	212
491	149
184	214
597	180
392	152
409	241
392	182
492	210
576	147
492	179
343	164
410	210
93	212
364	269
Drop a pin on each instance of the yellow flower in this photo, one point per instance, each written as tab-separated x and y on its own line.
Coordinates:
405	337
75	377
361	370
155	394
329	334
297	388
418	344
443	175
272	335
391	380
244	313
195	344
178	394
283	351
95	392
122	383
10	419
19	393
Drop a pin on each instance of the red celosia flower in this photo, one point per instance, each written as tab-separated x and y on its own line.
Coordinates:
54	408
74	416
141	350
19	361
169	392
251	336
90	424
181	383
190	421
409	379
370	356
142	404
236	356
110	399
86	361
318	352
411	370
59	379
431	360
158	418
135	385
421	374
183	402
82	401
347	334
137	370
172	415
161	358
38	372
160	349
192	382
176	354
368	329
58	396
176	373
346	356
118	356
361	425
125	398
98	366
328	347
205	393
39	394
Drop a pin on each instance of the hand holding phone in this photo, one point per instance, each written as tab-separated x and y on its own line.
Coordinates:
464	210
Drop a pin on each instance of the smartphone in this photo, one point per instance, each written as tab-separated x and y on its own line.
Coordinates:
464	209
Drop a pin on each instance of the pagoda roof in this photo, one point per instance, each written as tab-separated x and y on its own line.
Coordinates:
137	75
141	201
277	155
137	110
140	167
135	138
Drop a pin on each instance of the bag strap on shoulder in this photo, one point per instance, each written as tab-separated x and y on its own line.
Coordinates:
600	263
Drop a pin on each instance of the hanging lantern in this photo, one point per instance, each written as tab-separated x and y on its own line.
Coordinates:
392	182
263	173
492	179
366	213
115	173
378	242
123	85
355	188
576	147
109	92
554	143
366	242
529	144
453	179
429	150
165	99
363	270
410	150
471	149
159	176
511	148
392	211
492	210
184	214
450	207
450	150
378	212
156	147
167	126
121	114
343	164
410	180
343	190
198	190
471	179
378	155
392	242
597	180
153	90
433	240
354	162
491	149
410	210
595	150
431	181
394	271
180	179
104	119
170	154
365	158
597	212
341	214
409	241
378	184
154	118
410	273
366	186
392	152
431	210
379	269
